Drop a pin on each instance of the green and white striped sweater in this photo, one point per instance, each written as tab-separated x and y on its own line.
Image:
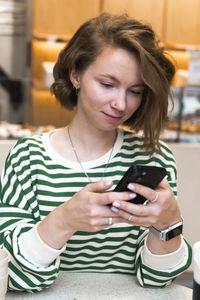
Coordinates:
35	180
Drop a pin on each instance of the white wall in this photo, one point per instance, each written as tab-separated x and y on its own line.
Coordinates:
5	146
188	165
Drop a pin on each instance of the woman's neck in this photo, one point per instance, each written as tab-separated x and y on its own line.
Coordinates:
90	143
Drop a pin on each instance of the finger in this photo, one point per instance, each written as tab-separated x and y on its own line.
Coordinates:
145	221
135	209
99	186
164	184
155	199
101	211
108	221
112	220
144	191
106	224
109	198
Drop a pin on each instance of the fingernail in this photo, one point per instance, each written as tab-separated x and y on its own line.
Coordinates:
116	204
115	209
132	195
107	182
131	186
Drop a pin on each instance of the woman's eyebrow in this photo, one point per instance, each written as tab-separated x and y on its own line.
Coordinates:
139	84
109	76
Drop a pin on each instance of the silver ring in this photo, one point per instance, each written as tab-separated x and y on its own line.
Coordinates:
155	199
110	221
130	218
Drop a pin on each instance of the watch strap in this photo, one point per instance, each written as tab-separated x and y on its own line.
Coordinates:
169	232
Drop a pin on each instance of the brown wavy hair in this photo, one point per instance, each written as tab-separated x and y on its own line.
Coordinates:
138	38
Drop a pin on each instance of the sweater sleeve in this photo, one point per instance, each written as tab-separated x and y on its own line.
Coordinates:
34	249
161	270
19	213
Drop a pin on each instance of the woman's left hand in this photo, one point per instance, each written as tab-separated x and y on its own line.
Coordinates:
160	213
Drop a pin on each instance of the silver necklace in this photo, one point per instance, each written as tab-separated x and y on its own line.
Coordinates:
79	161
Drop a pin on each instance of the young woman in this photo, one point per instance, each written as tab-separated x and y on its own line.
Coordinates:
56	187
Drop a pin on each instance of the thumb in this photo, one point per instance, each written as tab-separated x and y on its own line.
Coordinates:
164	184
99	186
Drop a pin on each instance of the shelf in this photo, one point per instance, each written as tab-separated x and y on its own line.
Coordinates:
43	51
47	110
51	38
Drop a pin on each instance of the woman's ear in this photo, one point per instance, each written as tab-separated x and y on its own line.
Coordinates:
75	79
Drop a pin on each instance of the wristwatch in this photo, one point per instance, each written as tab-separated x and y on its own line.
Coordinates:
169	232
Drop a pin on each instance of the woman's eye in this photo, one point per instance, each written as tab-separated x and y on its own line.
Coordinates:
135	92
107	85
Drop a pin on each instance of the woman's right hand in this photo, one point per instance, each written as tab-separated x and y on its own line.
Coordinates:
87	210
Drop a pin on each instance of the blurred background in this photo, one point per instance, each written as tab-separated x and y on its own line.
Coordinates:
32	33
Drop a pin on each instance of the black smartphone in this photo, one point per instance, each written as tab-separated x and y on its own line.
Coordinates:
149	176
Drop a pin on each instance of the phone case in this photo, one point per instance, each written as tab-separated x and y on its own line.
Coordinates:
149	176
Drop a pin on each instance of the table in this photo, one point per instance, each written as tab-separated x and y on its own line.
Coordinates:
98	286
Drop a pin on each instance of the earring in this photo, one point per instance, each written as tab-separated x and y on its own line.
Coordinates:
77	89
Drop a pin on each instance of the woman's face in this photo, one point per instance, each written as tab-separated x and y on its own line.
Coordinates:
110	89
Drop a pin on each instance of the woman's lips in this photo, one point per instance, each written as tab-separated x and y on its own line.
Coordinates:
113	118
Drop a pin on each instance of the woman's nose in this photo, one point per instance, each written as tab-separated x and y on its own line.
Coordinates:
119	101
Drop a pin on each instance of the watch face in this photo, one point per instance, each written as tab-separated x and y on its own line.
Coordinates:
176	231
